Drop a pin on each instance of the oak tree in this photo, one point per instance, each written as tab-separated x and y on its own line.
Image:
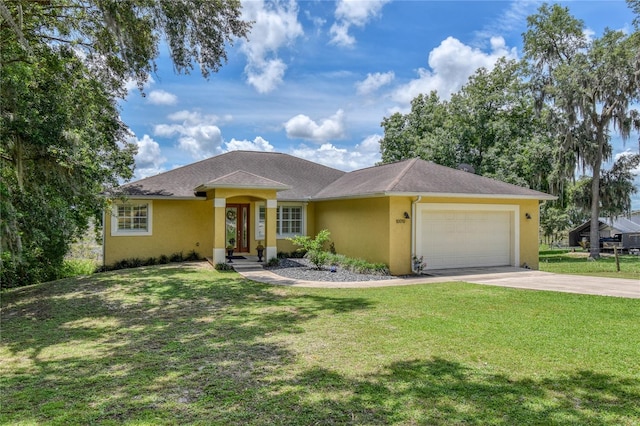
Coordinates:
63	66
591	84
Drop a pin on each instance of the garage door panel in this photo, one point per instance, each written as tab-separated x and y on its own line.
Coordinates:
456	239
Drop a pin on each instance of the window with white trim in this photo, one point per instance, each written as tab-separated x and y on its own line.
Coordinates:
131	219
260	220
289	221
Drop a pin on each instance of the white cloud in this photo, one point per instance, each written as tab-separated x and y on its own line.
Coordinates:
512	19
373	82
161	97
626	153
303	127
318	22
197	134
266	76
353	12
258	144
131	84
196	117
452	63
364	154
370	144
340	35
275	25
149	159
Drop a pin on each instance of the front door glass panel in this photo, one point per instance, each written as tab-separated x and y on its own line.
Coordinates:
237	227
231	219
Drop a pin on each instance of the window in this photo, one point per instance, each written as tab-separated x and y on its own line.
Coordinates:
131	219
260	219
289	221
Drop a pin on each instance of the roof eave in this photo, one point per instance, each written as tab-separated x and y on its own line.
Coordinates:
545	197
155	197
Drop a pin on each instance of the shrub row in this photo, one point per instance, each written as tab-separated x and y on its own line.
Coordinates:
136	262
297	254
358	266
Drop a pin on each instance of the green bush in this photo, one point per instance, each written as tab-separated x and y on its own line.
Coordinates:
150	261
297	254
273	262
33	267
176	257
314	247
223	267
359	266
76	267
192	256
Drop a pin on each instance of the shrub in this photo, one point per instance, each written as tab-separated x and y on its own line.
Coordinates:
314	247
223	267
150	261
298	254
163	260
192	256
75	267
33	267
359	266
176	257
273	262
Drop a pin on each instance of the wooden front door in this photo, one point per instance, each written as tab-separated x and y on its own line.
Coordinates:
237	227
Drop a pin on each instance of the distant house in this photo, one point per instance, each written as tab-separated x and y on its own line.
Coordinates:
628	229
386	213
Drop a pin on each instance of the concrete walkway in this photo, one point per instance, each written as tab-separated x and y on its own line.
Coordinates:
502	276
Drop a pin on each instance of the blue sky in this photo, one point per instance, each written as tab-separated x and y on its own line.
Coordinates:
316	78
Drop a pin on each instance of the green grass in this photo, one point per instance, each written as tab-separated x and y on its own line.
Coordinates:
179	345
566	262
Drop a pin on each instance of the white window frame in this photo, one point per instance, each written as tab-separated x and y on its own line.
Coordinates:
260	224
115	232
279	235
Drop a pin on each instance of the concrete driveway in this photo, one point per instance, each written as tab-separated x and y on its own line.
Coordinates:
538	280
498	276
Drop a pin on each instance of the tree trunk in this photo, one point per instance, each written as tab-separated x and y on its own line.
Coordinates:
594	231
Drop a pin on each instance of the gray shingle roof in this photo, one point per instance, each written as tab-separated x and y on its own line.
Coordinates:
417	176
303	178
298	179
242	179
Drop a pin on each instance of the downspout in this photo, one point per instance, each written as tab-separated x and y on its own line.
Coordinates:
104	234
413	229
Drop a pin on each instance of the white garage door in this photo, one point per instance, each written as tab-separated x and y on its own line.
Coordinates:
466	238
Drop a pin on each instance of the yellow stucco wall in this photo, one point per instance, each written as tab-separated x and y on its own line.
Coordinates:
359	227
400	235
178	226
374	229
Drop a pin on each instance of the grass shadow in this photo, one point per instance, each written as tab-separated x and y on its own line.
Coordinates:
143	344
182	345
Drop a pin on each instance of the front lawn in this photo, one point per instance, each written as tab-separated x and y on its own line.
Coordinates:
568	262
181	344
